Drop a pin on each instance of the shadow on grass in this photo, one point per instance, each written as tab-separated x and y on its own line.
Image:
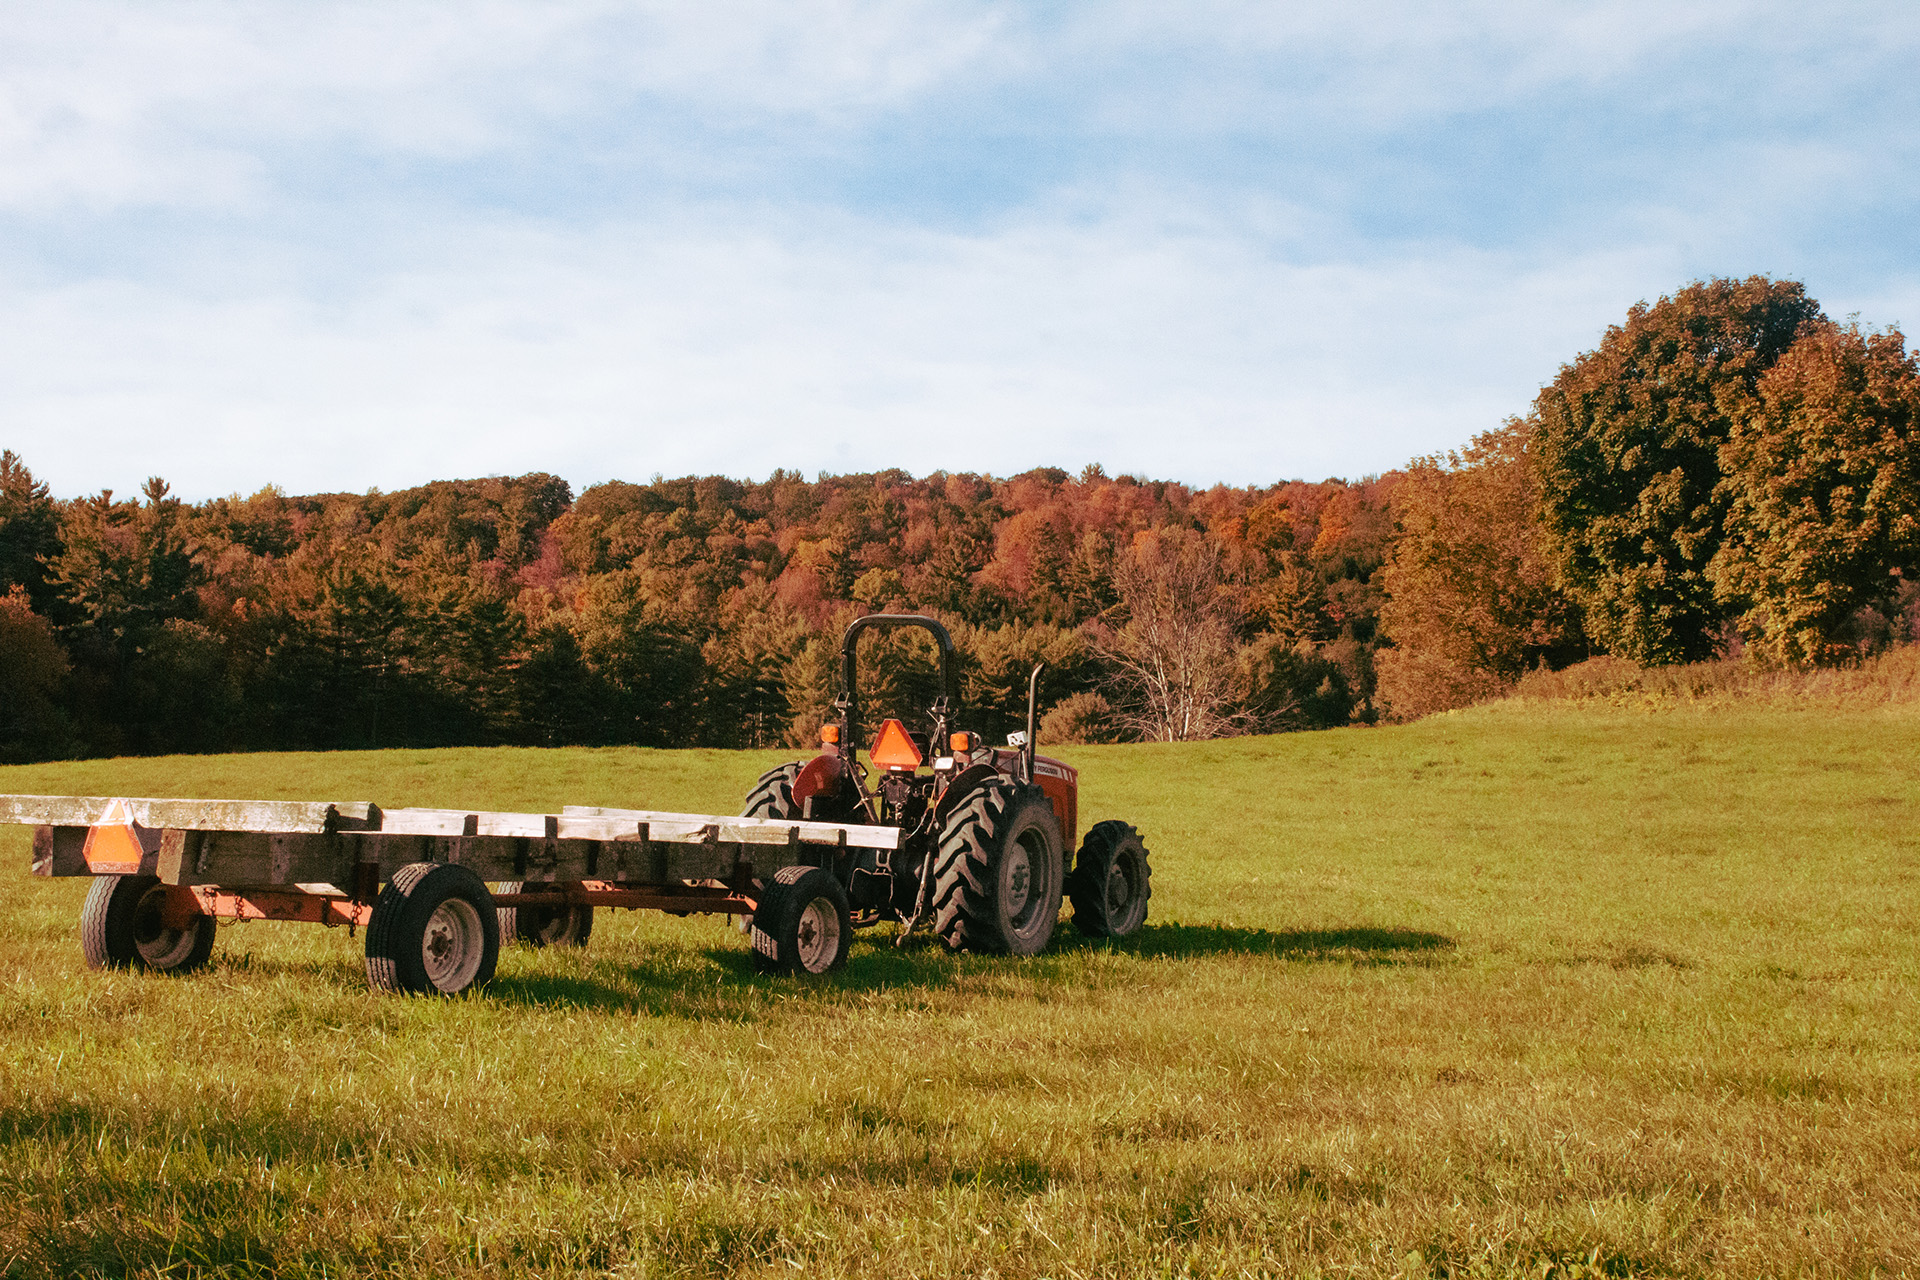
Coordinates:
733	988
1359	945
707	982
727	984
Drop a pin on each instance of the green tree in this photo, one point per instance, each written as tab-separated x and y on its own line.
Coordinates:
745	696
1823	489
123	572
559	697
29	530
997	662
1628	452
32	669
648	656
125	567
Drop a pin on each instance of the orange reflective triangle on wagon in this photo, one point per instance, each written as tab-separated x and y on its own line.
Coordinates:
113	845
893	749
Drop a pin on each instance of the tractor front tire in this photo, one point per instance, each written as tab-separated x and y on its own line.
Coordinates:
434	931
803	924
543	926
998	870
1111	882
121	928
772	795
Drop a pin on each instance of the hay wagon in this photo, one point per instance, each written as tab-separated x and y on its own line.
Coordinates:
436	890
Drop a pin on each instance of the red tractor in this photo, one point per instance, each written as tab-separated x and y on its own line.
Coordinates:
982	858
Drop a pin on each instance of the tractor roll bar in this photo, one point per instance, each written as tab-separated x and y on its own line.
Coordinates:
949	678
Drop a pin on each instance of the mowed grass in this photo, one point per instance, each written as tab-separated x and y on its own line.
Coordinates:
1534	989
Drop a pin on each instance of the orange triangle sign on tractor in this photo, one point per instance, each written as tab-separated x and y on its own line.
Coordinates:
113	845
893	748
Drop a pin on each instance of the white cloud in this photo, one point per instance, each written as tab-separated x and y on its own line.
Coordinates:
1188	356
110	102
212	312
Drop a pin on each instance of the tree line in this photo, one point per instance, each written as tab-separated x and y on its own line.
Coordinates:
1729	471
698	611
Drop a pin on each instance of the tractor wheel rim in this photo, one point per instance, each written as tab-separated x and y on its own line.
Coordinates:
451	946
1120	890
1017	879
817	937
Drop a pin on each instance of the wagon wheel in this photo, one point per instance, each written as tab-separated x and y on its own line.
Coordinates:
1111	882
997	873
803	925
561	926
122	926
771	797
434	931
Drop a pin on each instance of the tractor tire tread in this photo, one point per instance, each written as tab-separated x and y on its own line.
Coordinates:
967	870
772	794
962	906
1087	886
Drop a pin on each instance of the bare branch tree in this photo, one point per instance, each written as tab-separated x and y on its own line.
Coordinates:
1176	677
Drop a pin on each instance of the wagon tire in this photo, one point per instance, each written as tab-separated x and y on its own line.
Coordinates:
543	926
1111	882
998	871
803	924
434	931
771	797
120	928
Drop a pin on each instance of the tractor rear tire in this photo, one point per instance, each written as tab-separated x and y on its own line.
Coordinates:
772	795
803	924
434	931
543	926
120	928
1111	882
997	873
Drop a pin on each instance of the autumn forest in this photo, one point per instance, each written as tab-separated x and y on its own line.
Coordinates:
1729	473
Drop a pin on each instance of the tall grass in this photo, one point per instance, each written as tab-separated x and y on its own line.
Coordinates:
1542	988
1892	677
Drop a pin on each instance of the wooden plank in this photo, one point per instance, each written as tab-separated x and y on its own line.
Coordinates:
574	823
301	817
497	858
60	851
253	858
289	816
281	843
751	830
238	859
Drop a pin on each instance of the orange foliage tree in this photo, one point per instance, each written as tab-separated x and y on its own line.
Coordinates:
1823	488
1471	600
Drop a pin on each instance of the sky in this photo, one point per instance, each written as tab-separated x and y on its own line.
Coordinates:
341	246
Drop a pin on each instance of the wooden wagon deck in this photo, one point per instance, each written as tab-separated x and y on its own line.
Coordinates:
167	868
276	843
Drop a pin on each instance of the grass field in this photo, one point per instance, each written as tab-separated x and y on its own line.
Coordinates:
1542	989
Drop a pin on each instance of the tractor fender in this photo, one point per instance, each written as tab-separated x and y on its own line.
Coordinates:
826	779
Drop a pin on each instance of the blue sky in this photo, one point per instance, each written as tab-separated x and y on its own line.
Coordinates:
348	245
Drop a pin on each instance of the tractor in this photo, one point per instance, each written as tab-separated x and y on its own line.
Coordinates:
982	859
